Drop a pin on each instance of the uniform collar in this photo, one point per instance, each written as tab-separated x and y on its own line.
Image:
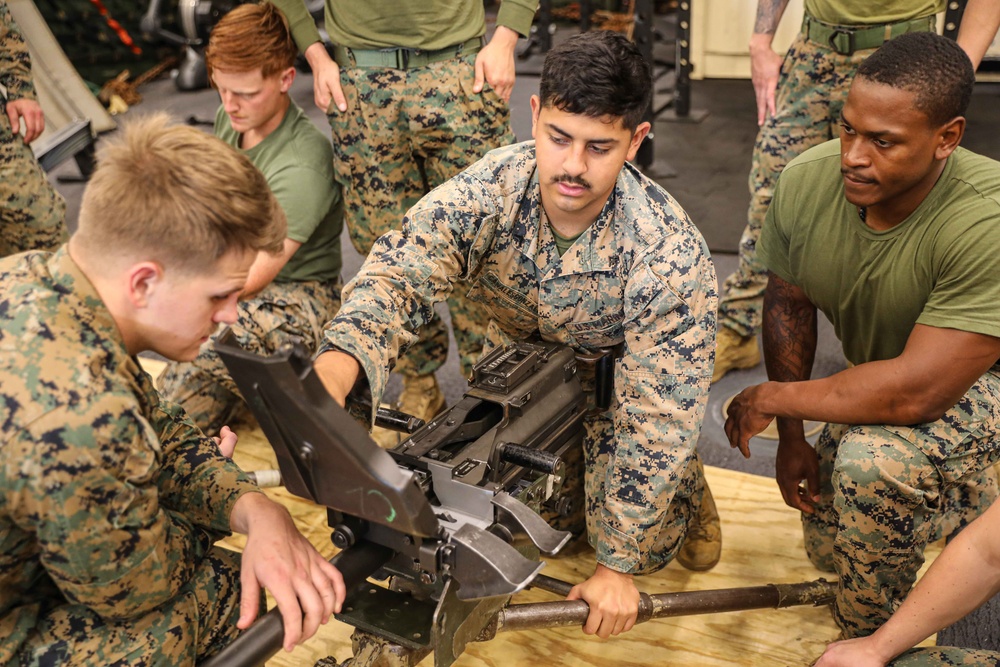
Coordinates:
93	317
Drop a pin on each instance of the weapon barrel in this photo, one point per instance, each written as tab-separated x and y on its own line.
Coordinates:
264	638
574	612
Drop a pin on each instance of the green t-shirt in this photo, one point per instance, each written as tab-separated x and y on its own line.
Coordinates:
414	24
866	12
297	161
563	243
940	267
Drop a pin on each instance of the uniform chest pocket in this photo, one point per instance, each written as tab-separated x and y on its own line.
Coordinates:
513	310
605	331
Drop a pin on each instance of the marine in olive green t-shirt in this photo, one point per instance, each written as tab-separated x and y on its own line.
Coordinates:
297	161
867	12
428	25
939	267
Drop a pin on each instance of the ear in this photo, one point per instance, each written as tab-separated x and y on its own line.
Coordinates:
536	108
143	280
287	78
640	133
949	137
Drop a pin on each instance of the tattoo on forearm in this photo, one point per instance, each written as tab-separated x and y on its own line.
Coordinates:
769	15
789	331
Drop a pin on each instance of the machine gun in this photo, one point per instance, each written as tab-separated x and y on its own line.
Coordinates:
450	514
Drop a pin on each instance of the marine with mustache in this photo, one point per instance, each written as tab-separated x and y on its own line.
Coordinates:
562	240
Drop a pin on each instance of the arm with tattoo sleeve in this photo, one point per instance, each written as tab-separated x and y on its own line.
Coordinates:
789	331
765	64
936	368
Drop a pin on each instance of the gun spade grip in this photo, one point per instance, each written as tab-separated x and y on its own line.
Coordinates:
533	459
264	638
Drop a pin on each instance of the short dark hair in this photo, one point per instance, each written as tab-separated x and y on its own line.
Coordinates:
598	74
925	63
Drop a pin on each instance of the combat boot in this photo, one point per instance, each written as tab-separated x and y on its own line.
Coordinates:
703	544
421	396
734	351
386	438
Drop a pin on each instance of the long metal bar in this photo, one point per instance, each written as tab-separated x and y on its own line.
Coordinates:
551	584
264	638
574	612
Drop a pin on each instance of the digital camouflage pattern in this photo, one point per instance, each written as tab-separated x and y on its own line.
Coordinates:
886	492
280	313
404	133
196	623
943	656
110	499
640	276
812	89
32	213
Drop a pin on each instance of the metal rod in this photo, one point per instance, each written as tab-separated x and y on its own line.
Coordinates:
551	584
264	638
574	612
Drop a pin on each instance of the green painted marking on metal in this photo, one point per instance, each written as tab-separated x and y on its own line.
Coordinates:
391	516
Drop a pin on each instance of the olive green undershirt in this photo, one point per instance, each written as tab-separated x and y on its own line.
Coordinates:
563	242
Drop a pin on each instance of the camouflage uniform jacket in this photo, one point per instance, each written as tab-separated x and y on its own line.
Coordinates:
640	276
15	64
108	497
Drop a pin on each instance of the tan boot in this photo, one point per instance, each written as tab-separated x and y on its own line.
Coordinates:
386	438
421	396
703	544
734	351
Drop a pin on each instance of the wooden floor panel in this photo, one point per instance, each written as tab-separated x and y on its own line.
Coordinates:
762	544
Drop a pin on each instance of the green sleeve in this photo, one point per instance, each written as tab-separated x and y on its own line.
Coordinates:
306	196
773	245
196	480
962	298
517	15
94	505
303	27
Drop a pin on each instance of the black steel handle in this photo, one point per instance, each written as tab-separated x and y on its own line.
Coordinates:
530	458
264	638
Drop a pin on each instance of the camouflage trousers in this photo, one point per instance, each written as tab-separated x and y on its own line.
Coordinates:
812	89
193	625
947	655
32	213
586	482
404	133
280	313
886	492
